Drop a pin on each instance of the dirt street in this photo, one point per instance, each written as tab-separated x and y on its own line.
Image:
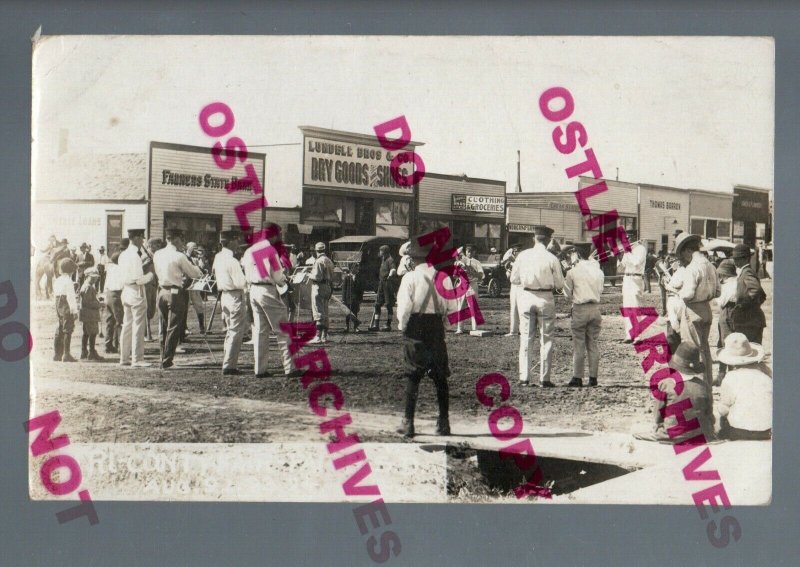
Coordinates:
367	368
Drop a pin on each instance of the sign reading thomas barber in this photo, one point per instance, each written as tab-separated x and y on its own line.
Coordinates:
352	164
478	204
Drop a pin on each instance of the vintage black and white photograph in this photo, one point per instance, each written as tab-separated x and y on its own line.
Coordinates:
531	270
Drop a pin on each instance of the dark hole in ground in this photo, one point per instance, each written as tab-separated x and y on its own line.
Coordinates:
472	473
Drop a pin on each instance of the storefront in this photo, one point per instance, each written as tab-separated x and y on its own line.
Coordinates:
560	211
95	205
473	209
187	190
662	210
751	215
711	214
348	188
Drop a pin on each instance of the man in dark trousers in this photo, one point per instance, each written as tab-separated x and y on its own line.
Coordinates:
747	316
84	260
421	313
171	266
386	289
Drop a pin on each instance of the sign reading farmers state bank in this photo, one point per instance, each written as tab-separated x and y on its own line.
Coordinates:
478	204
347	165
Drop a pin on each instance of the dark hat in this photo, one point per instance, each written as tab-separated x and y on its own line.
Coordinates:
134	232
741	251
583	247
102	249
84	246
416	251
383	249
686	360
67	266
726	269
677	232
174	233
542	230
683	239
230	235
64	241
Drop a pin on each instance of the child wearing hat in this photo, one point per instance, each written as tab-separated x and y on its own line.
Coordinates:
90	314
66	310
667	428
745	405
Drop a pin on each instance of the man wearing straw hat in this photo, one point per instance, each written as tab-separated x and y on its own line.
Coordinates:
633	265
745	405
685	384
699	285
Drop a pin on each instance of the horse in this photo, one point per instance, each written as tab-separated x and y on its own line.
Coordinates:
43	267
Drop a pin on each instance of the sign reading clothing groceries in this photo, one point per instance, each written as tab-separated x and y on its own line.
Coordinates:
478	204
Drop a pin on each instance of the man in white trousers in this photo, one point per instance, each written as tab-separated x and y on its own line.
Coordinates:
632	265
539	275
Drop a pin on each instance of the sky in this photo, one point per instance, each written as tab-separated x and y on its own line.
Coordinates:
682	112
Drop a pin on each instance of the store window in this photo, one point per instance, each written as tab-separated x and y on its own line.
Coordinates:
724	229
711	228
487	236
322	208
392	212
698	226
738	229
427	226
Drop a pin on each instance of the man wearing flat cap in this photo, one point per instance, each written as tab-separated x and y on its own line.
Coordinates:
633	265
747	316
171	266
699	285
538	274
134	302
231	284
321	278
583	285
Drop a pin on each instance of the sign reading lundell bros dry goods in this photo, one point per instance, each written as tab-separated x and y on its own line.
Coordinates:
347	165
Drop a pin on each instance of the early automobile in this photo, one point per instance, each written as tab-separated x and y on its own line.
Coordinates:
363	250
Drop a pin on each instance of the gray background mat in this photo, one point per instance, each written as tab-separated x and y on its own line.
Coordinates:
308	534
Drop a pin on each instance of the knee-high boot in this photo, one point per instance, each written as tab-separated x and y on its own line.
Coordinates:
84	350
58	346
67	357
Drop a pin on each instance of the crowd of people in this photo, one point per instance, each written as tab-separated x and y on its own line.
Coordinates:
141	279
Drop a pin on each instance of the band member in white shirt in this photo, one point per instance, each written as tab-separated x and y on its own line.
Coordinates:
633	264
583	285
508	262
539	275
269	310
171	267
421	313
231	284
134	302
474	270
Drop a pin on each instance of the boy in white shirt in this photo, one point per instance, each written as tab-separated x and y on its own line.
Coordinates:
66	310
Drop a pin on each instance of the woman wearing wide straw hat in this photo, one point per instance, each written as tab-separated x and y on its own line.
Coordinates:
745	405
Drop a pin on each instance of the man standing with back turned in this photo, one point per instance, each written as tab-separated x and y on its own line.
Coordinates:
171	265
538	274
231	284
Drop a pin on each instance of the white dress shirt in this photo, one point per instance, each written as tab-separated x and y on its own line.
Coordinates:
727	292
251	273
584	282
746	399
171	265
418	294
113	278
228	271
700	281
536	268
633	262
63	285
131	274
